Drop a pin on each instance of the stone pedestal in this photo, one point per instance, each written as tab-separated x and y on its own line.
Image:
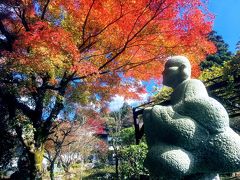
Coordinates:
199	176
212	176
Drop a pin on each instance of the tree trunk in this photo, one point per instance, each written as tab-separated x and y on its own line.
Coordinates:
51	170
117	173
35	159
23	172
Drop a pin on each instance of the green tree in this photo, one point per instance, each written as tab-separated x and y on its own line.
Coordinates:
117	121
238	47
223	83
163	95
127	136
222	54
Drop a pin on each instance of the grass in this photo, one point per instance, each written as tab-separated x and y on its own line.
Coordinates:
78	172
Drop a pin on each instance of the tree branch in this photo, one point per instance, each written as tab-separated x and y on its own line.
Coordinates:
59	102
14	103
21	14
85	21
82	46
135	35
45	9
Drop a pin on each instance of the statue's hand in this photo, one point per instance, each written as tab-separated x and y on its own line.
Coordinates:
182	131
155	120
163	113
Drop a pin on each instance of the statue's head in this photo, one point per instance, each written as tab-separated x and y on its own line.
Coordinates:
177	69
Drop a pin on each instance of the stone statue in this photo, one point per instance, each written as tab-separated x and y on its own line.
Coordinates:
191	138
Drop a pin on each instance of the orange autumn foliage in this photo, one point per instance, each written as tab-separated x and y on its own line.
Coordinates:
109	45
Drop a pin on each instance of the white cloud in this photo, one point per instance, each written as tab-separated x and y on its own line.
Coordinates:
118	101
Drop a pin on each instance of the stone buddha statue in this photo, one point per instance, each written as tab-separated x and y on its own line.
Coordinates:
191	138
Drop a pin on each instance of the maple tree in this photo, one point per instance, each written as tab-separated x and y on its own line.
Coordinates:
85	145
71	142
61	52
117	122
56	142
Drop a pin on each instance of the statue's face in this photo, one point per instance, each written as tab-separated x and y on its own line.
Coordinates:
170	74
177	69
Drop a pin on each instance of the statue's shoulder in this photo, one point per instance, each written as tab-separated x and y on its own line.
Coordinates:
195	82
195	87
188	89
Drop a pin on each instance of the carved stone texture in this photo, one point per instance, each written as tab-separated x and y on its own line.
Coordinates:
191	138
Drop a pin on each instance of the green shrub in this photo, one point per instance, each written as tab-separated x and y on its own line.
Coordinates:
132	158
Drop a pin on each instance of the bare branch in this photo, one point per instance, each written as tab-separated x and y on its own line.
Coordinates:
45	9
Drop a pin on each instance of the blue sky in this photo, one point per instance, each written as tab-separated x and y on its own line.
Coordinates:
227	20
